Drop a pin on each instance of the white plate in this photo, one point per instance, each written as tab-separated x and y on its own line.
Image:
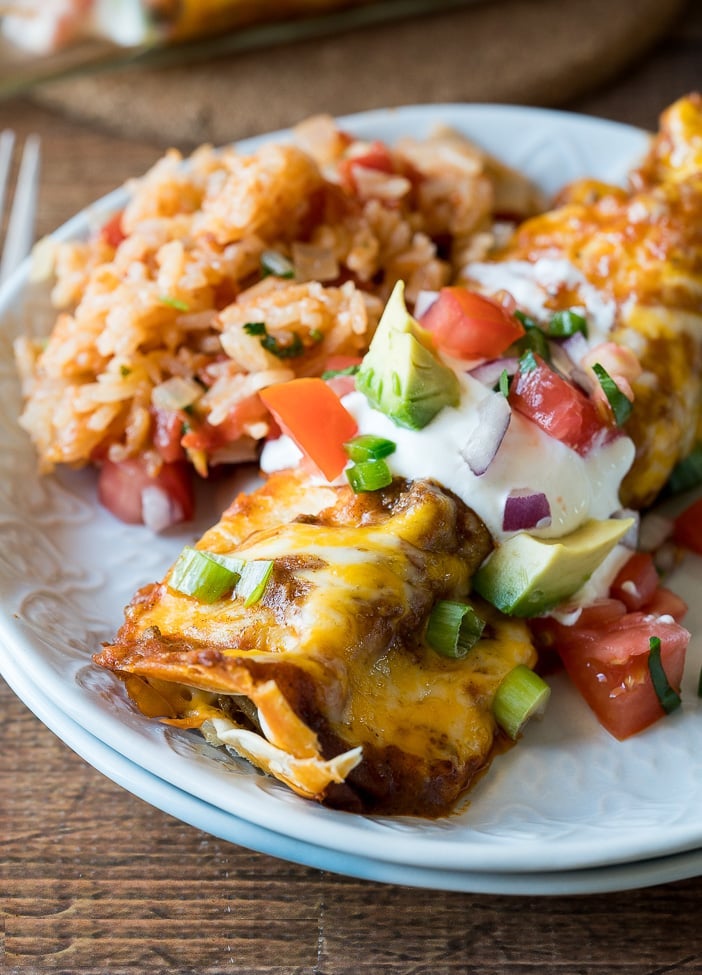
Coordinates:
568	798
202	815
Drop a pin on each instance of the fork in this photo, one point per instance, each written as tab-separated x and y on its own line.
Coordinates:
20	223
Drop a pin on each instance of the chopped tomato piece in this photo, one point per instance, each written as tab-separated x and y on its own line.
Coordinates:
121	488
636	582
556	406
608	663
167	433
688	527
206	436
112	232
376	156
667	603
469	326
313	416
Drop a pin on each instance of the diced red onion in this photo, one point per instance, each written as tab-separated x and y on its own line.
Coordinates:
525	509
158	509
425	299
575	347
631	539
492	416
489	372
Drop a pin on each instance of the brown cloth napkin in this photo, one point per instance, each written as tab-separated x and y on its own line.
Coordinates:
538	52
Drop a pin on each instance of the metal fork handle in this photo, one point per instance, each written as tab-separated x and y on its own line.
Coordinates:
20	226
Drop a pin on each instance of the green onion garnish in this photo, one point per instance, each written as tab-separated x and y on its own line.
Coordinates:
197	573
688	473
620	404
453	629
369	447
369	475
316	335
520	696
567	323
255	328
270	343
669	699
503	383
276	264
174	303
253	581
231	562
348	371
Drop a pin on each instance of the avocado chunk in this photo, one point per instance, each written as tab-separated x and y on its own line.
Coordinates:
526	576
400	374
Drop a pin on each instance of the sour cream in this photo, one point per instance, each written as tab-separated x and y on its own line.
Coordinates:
577	488
532	284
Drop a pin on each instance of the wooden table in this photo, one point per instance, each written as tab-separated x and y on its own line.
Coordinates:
94	880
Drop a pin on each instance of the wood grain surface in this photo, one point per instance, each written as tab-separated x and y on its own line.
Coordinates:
93	880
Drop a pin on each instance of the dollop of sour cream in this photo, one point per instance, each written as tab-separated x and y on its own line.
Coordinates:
532	284
577	487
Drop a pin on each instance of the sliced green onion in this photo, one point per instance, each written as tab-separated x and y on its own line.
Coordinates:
197	573
253	581
254	328
503	383
567	323
453	629
276	264
231	562
669	699
688	473
348	371
369	447
620	404
174	303
521	695
369	475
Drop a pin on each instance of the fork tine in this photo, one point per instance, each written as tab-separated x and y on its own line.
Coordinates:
20	227
7	142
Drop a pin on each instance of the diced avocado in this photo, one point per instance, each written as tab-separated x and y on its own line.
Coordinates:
526	576
400	374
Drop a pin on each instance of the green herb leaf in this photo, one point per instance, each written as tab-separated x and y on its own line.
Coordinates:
534	340
283	351
527	362
669	699
687	474
526	320
348	371
453	629
503	383
369	447
619	403
174	303
255	328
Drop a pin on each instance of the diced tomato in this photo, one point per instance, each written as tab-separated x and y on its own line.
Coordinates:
608	663
121	490
376	156
167	433
208	437
688	527
313	416
342	385
636	582
667	603
556	406
469	326
112	232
